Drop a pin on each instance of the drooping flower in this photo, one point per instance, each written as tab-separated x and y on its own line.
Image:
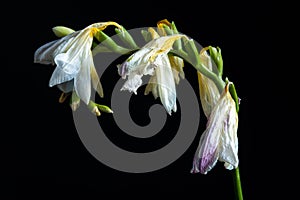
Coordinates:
177	63
152	59
219	141
73	58
209	93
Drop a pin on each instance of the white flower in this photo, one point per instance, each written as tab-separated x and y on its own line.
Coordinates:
152	60
73	58
219	141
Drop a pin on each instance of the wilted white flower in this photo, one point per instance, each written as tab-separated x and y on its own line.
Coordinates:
73	58
219	141
152	59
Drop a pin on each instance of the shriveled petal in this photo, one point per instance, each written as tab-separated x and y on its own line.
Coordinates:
102	25
133	83
152	87
135	75
177	65
209	93
229	141
153	33
96	81
162	84
166	85
206	155
160	26
135	63
162	44
219	140
207	152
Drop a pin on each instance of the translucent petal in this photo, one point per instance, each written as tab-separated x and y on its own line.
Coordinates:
177	65
219	140
82	82
209	93
165	83
46	53
66	87
133	83
229	140
96	81
64	71
68	64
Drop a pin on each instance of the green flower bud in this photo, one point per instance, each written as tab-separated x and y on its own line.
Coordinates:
215	54
126	38
61	31
74	101
104	108
146	35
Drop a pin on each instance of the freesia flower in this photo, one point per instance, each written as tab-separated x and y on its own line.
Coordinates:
73	58
209	93
177	63
219	141
152	59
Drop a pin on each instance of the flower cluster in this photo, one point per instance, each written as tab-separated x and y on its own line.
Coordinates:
76	74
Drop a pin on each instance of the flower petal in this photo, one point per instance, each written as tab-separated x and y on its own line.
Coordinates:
209	93
133	83
219	140
68	64
46	53
165	83
229	140
96	81
82	82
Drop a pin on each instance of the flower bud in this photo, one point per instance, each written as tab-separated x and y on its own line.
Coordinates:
61	31
215	54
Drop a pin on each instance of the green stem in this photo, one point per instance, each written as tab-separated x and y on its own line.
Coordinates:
236	172
234	96
237	184
199	66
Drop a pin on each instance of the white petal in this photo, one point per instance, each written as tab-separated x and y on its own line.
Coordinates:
68	64
46	53
209	93
133	83
82	82
165	81
96	81
229	140
219	141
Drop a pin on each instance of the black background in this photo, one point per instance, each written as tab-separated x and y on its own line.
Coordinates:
47	158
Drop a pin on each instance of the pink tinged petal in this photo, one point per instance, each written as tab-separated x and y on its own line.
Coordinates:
207	152
219	141
206	155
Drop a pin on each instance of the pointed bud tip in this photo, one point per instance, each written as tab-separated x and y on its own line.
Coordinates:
61	31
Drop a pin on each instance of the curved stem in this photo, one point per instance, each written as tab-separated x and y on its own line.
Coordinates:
199	66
